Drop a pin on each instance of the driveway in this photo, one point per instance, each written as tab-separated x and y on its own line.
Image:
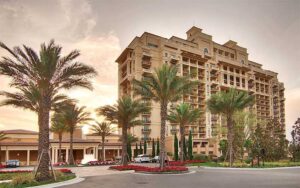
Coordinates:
199	178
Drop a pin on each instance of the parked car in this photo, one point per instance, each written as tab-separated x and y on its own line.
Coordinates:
156	159
142	159
12	163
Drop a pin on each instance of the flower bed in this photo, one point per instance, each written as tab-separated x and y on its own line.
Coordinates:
60	164
137	168
179	163
100	163
63	170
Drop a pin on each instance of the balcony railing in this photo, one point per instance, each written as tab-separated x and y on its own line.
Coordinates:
146	130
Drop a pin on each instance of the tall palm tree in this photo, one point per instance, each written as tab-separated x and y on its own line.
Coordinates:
183	115
125	114
73	116
58	127
102	129
164	86
49	72
227	103
2	137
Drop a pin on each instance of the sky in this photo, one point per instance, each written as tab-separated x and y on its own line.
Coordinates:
270	30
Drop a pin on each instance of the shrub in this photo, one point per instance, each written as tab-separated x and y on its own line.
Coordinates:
20	179
248	160
202	157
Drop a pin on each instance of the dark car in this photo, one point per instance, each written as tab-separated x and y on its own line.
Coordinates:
12	163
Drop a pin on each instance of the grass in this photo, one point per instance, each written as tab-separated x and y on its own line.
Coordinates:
9	176
59	179
245	165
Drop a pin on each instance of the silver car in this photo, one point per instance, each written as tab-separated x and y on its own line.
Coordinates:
142	159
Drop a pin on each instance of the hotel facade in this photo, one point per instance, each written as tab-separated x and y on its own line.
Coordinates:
217	67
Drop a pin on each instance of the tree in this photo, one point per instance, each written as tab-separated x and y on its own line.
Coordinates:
136	151
73	116
47	72
227	103
157	147
145	147
183	115
164	86
2	137
125	114
295	143
153	148
130	140
102	129
58	127
184	149
223	148
175	148
141	148
190	146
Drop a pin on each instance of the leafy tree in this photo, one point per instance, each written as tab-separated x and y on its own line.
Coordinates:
176	157
58	127
145	147
38	78
295	143
141	148
157	147
73	116
183	115
136	151
164	86
227	103
184	149
223	148
125	114
190	146
102	129
153	148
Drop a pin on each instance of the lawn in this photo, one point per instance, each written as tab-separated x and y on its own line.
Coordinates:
245	165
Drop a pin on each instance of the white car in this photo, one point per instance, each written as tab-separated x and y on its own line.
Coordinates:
142	159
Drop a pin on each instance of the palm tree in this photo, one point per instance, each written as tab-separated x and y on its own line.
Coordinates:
183	115
73	116
102	129
48	72
125	114
59	128
2	137
227	103
164	86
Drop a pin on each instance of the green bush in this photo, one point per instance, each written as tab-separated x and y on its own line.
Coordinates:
201	157
21	179
248	160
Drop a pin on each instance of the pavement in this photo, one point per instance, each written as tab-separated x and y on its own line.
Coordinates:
199	178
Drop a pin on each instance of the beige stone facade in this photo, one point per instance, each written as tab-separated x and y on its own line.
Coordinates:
217	67
22	145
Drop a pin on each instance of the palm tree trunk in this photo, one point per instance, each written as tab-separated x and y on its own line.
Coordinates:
124	146
163	117
59	147
103	153
230	138
181	142
43	147
71	157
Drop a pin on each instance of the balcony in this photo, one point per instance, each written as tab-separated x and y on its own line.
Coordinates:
146	131
146	64
174	131
146	121
146	139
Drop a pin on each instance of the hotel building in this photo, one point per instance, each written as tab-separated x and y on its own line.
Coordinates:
216	66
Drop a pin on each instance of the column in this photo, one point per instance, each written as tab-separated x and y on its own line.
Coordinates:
55	154
84	152
118	152
94	152
97	153
28	157
52	155
104	155
67	154
7	155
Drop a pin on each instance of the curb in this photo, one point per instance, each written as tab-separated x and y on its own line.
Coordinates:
227	168
59	184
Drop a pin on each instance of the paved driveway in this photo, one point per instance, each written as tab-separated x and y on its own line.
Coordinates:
200	178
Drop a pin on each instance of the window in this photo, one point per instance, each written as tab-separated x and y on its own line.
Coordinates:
237	71
225	67
242	61
205	51
166	54
152	45
231	69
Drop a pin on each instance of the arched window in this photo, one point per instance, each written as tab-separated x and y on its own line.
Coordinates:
242	61
205	51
